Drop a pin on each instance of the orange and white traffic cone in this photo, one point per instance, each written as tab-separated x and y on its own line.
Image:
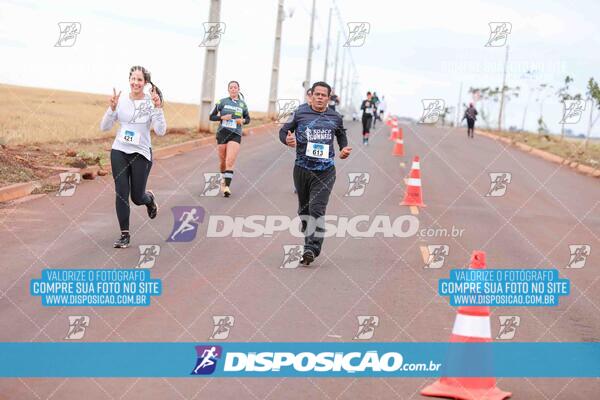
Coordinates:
398	147
413	196
395	133
398	144
472	325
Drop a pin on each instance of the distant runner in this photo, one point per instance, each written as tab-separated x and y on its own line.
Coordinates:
471	116
375	101
382	107
334	100
367	117
232	112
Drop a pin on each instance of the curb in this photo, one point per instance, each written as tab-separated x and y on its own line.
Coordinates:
19	190
584	169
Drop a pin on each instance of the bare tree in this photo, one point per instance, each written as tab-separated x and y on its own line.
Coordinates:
563	94
593	93
544	91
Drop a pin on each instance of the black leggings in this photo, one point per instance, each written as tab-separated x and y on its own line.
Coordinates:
314	188
366	122
130	172
470	127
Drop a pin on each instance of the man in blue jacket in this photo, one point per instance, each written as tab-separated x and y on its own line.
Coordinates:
311	131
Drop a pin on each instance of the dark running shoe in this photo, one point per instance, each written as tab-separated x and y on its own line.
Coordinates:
152	207
307	257
123	241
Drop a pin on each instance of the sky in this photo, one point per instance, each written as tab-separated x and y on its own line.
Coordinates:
413	51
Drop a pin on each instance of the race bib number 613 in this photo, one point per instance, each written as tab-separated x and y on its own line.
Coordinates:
317	150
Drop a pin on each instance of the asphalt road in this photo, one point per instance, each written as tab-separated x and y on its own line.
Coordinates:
545	209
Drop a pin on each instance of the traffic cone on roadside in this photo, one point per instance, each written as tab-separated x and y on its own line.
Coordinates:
398	144
472	325
394	133
398	147
413	196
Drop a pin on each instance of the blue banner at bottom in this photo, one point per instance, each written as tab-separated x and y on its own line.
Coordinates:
536	360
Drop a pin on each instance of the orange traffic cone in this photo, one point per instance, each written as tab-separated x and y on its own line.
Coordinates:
472	324
398	147
413	195
395	133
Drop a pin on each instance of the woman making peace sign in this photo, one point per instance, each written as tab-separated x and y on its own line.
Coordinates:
131	154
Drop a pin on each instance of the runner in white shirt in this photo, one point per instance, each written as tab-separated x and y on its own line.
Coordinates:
131	154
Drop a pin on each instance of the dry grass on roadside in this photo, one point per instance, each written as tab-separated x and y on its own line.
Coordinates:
40	127
570	148
35	116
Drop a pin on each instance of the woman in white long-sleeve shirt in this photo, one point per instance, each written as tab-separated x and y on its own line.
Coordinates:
131	154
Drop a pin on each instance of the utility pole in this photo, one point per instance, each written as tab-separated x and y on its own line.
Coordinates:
327	47
207	96
353	92
271	112
310	48
342	75
348	90
458	105
502	90
335	67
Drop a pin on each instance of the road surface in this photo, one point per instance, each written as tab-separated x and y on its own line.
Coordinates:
545	209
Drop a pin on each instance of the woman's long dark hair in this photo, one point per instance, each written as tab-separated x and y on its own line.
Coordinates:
237	83
147	78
